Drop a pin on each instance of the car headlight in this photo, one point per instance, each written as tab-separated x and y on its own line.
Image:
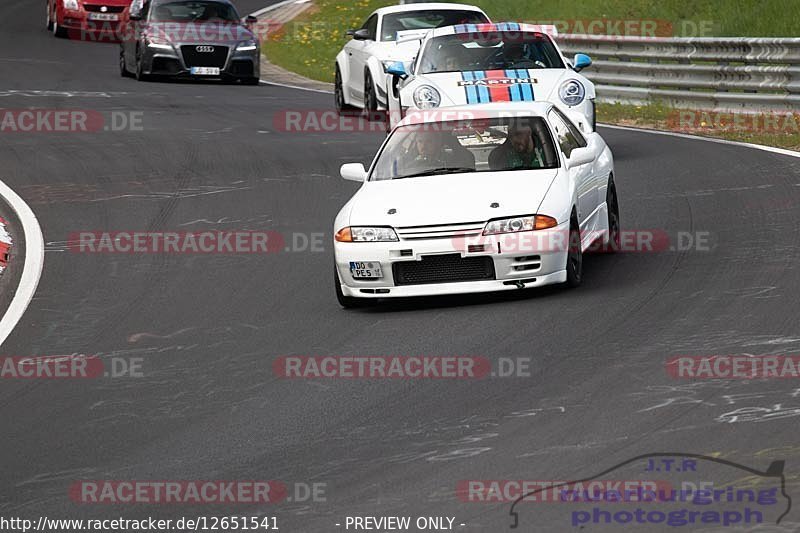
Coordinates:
427	97
572	92
516	224
71	4
157	44
246	46
366	234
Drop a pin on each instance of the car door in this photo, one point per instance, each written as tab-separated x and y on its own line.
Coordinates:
569	138
357	55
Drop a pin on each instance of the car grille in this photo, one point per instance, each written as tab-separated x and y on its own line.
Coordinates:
193	58
447	268
443	231
98	8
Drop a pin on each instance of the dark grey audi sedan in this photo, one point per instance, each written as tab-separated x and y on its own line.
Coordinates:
199	39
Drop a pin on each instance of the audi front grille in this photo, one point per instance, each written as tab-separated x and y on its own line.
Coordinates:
204	55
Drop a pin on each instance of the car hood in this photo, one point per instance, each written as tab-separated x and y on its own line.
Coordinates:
391	51
450	199
227	33
484	86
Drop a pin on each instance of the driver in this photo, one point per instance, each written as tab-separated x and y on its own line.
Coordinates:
519	151
430	150
211	12
516	56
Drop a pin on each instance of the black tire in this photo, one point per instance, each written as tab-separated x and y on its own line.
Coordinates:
140	75
574	254
123	70
370	100
613	217
348	302
342	108
58	31
250	81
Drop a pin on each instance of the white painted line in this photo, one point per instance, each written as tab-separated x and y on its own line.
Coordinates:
321	91
34	261
781	151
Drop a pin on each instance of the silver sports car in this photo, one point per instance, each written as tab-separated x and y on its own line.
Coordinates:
189	39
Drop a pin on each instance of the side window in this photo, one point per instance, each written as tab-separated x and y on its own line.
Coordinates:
573	129
564	137
372	25
136	7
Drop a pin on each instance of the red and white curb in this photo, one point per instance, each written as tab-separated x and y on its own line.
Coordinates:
5	244
31	268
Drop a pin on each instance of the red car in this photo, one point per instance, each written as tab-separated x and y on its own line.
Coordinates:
88	19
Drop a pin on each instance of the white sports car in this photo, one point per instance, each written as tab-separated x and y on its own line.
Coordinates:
474	199
474	64
360	65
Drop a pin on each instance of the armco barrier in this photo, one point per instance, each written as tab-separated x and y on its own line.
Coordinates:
725	74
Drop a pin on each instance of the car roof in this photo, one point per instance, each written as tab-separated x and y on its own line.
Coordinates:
479	111
514	27
426	7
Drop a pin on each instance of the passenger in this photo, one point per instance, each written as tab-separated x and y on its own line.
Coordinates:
519	151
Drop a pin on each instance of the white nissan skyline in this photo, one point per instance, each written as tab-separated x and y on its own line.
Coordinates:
480	63
479	198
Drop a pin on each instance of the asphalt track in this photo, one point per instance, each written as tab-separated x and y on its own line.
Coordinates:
208	328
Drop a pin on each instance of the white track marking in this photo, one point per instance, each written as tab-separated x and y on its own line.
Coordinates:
34	261
781	151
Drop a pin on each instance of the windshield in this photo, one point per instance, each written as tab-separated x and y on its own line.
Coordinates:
425	20
489	51
194	11
478	145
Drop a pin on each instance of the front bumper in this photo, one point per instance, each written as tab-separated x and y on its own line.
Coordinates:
235	64
523	260
79	23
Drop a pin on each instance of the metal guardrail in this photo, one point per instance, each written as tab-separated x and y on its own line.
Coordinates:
723	74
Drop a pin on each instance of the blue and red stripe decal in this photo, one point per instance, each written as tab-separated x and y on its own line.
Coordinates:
507	92
486	28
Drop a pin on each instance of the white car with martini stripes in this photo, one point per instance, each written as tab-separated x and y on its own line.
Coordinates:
471	64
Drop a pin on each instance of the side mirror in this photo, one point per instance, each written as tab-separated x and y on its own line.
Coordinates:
580	62
396	69
359	35
250	20
353	172
580	156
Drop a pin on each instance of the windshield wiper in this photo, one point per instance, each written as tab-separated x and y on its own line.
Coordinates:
437	171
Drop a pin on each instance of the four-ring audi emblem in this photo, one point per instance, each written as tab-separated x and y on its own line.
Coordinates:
205	49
